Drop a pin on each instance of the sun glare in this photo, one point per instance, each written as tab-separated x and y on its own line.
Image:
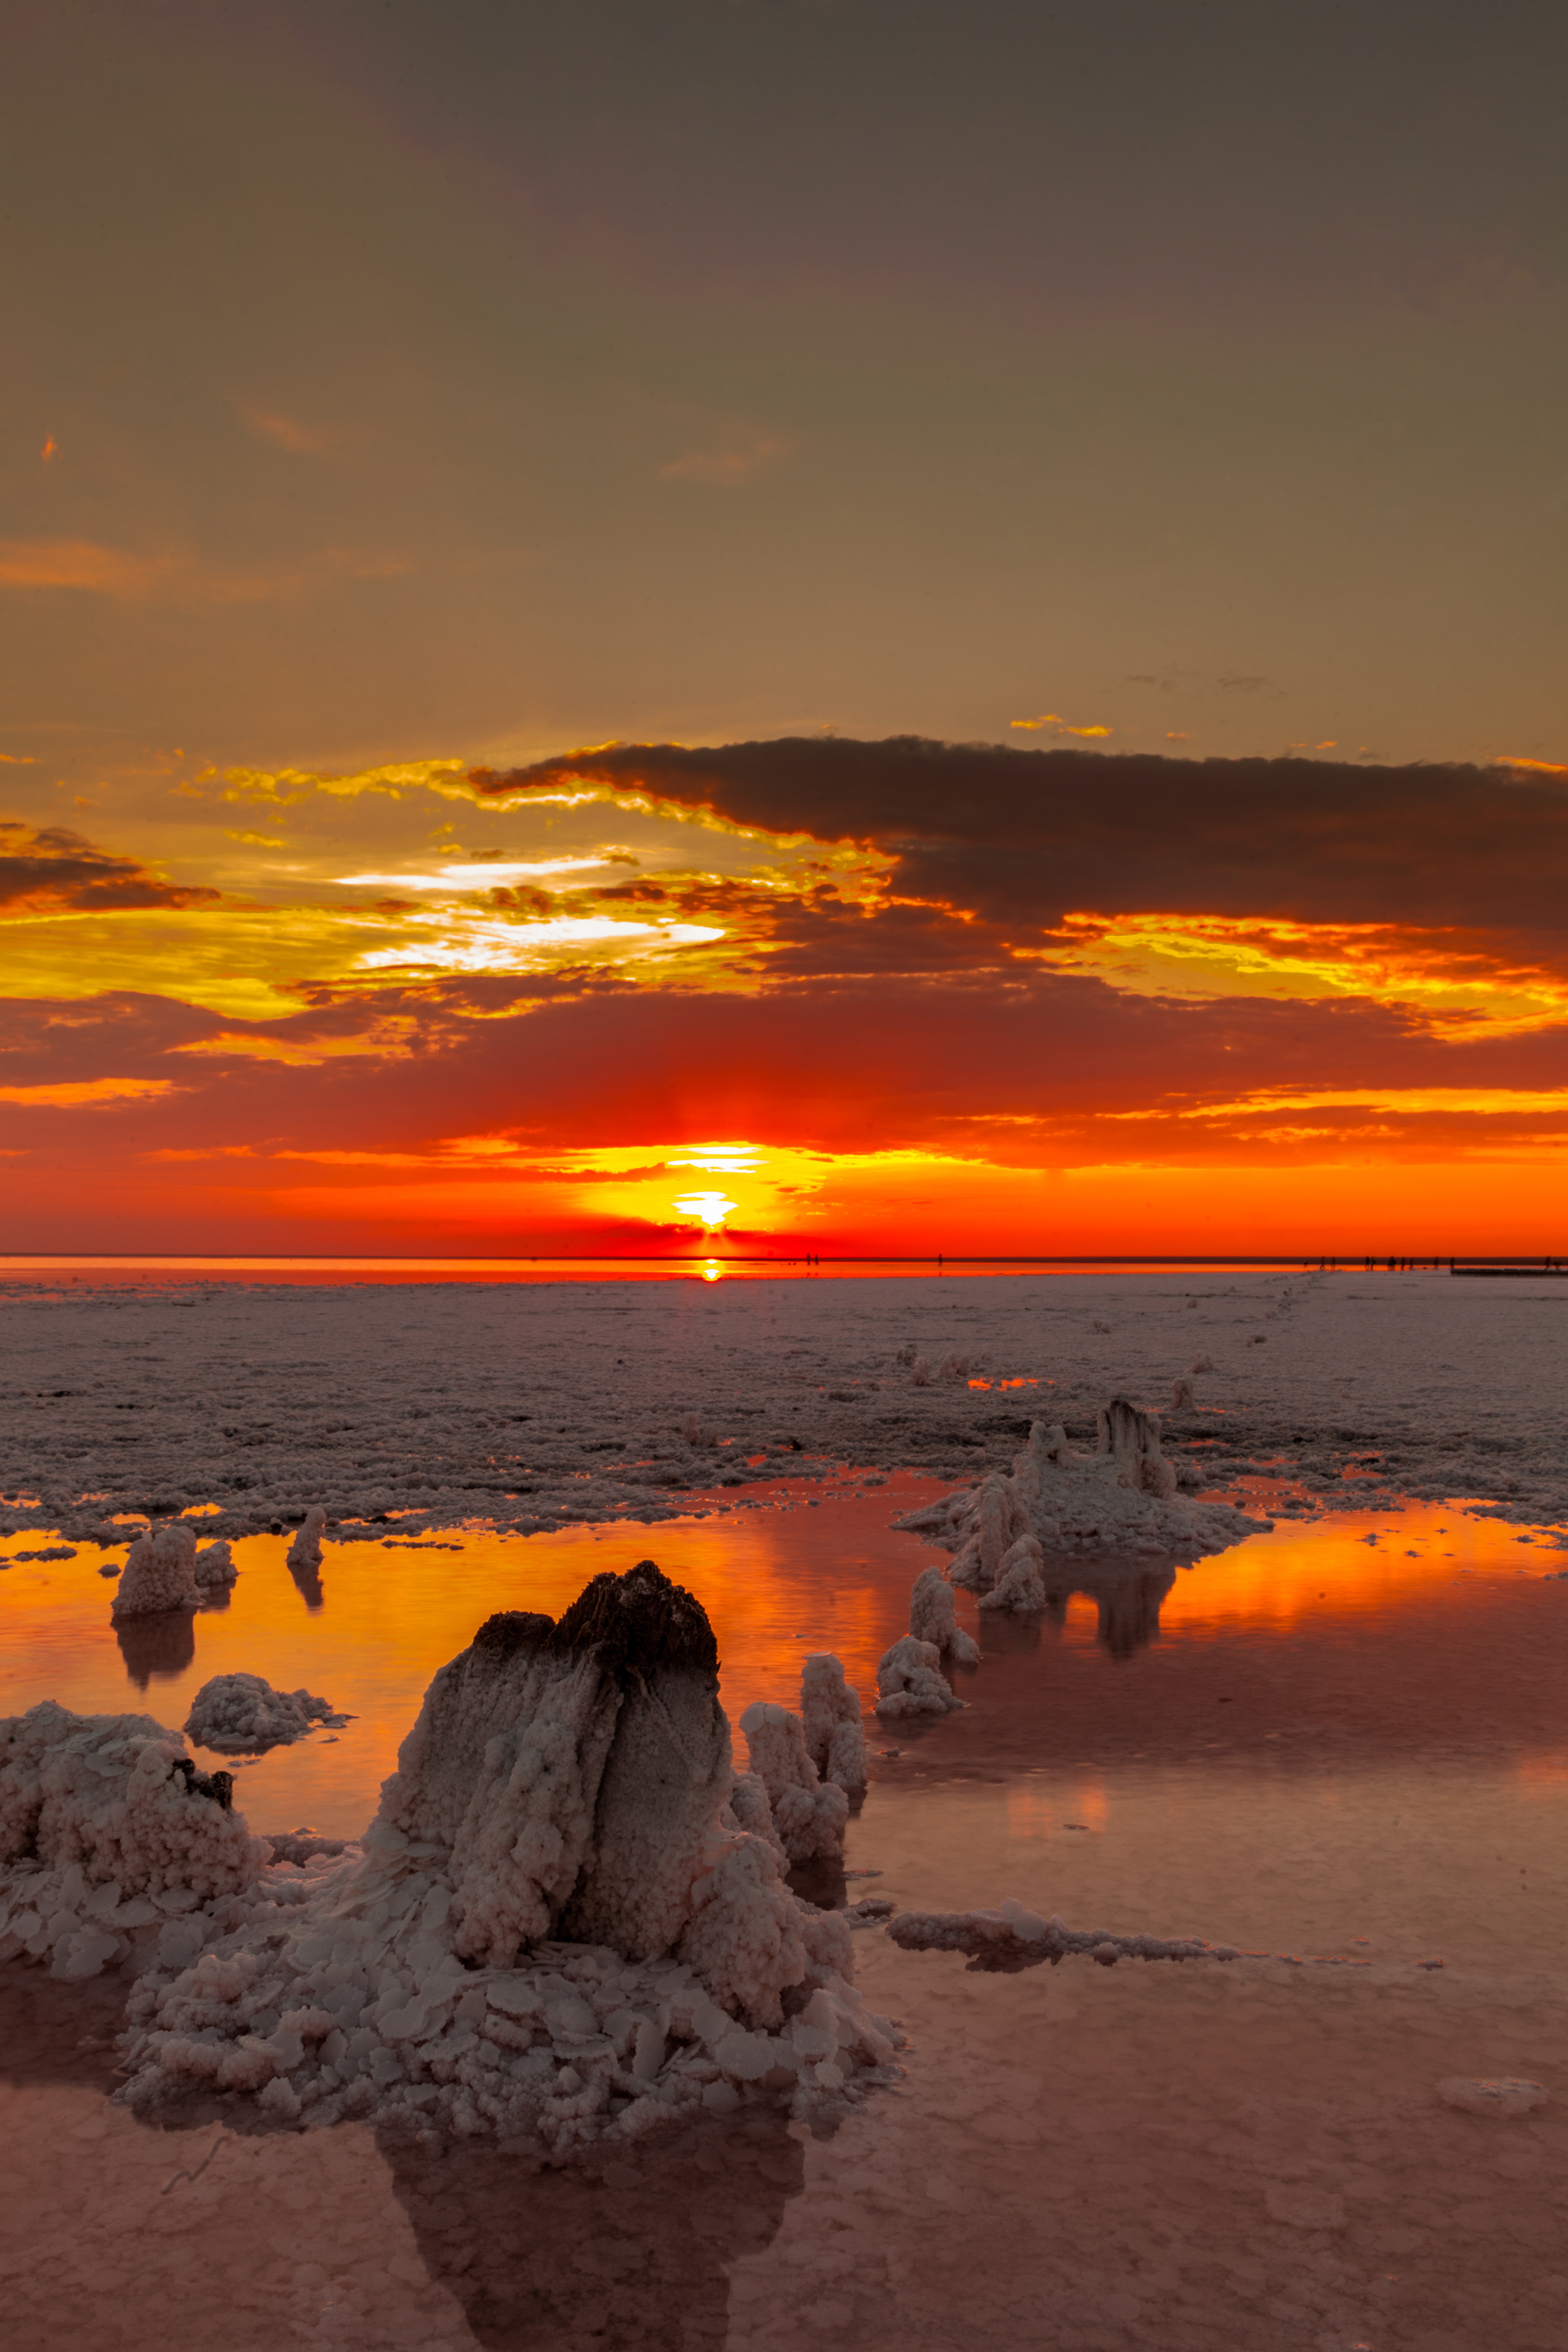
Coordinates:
712	1207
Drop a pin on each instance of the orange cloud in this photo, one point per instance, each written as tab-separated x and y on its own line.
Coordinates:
290	433
735	452
83	565
42	869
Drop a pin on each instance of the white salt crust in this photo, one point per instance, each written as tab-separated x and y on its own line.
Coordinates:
547	1405
1118	1503
809	1813
242	1715
557	1930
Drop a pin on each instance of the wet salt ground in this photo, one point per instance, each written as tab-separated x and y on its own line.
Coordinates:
1306	1743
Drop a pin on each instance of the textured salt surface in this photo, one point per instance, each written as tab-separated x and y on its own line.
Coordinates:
242	1715
544	1406
555	1932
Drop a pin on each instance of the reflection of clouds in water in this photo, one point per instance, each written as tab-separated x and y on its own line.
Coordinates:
1050	1811
628	2251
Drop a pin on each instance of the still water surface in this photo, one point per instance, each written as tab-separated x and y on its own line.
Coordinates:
1352	1752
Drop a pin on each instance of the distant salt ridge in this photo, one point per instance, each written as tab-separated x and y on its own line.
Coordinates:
1119	1502
568	1403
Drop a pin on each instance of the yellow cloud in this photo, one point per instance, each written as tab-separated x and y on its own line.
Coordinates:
1488	1101
389	1039
1050	718
1458	982
76	1094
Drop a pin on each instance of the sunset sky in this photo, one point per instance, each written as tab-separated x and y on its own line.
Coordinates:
859	628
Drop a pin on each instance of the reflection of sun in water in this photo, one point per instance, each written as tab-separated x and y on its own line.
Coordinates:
711	1207
712	1270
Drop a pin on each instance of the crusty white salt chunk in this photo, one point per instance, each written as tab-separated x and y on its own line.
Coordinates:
214	1565
809	1813
934	1618
306	1550
159	1572
115	1795
1498	2095
752	1811
830	1718
910	1682
242	1714
1021	1585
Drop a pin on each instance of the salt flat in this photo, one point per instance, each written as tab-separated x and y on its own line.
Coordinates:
537	1406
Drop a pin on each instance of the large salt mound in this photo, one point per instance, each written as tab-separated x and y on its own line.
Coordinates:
1120	1501
241	1715
555	1929
108	1830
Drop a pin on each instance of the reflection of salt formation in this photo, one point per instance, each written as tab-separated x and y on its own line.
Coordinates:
305	1552
106	1830
1129	1608
830	1717
651	2246
1021	1579
934	1618
555	1927
809	1813
240	1714
910	1682
161	1644
1119	1500
1014	1937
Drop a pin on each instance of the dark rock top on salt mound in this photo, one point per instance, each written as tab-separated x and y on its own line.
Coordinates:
639	1623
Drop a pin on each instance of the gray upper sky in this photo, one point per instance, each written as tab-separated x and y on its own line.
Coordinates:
476	379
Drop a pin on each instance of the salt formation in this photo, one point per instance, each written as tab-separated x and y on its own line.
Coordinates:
1015	1938
1021	1580
910	1682
240	1714
934	1618
1121	1500
1132	1440
1000	1518
830	1717
1499	2095
306	1550
214	1565
750	1809
108	1831
809	1813
159	1572
1181	1394
557	1928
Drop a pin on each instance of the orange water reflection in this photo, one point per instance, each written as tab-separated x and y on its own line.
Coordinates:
1312	1623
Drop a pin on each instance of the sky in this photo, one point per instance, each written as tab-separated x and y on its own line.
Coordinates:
783	625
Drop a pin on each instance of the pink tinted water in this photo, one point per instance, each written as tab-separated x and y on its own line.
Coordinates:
1314	1746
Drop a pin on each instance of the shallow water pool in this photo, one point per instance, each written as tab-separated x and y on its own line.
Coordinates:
1348	1754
